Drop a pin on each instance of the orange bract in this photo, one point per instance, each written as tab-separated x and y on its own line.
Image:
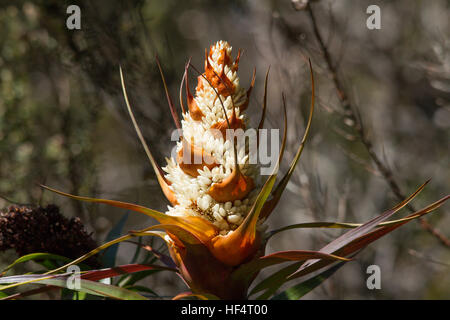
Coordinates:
235	187
192	158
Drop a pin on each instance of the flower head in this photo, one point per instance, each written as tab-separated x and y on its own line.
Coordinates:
213	188
214	227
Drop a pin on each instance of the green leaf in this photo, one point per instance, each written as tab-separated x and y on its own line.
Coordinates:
274	281
92	275
122	270
109	257
246	272
333	225
142	289
34	257
87	286
138	251
299	290
131	279
67	294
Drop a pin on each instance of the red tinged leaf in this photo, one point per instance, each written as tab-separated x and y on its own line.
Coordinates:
299	290
169	99
378	233
275	281
244	106
247	271
263	114
161	256
360	237
95	275
194	110
87	286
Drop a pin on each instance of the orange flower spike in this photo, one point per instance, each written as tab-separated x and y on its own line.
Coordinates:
216	193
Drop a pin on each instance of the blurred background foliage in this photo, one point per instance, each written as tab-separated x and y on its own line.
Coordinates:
63	120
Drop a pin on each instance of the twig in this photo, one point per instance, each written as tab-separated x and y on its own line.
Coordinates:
353	116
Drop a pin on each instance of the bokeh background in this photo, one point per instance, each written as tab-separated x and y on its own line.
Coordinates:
63	120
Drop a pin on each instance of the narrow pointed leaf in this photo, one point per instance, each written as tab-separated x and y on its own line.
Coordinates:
91	287
27	293
169	99
109	257
95	275
142	289
92	275
34	257
334	225
360	242
156	168
270	205
97	250
353	234
263	114
299	290
274	281
247	271
201	227
370	237
163	257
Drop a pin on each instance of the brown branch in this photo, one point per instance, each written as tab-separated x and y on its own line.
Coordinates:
358	126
